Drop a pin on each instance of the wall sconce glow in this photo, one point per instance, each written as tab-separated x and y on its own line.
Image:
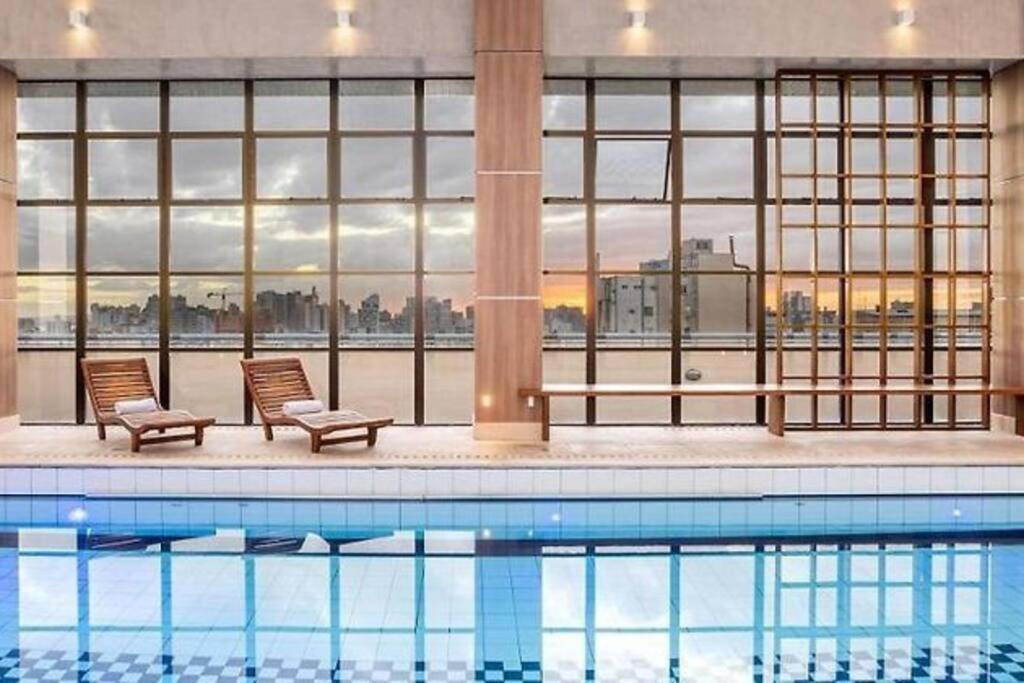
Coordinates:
78	19
486	400
343	18
637	19
904	17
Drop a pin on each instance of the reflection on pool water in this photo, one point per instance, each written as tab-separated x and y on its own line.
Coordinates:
744	590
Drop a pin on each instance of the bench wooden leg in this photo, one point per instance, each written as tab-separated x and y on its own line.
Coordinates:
545	418
102	430
268	432
777	414
1018	414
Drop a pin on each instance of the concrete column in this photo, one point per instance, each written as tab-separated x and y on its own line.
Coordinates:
508	314
1007	238
8	254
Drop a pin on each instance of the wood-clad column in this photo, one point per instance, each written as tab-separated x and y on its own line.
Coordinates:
8	254
508	315
1007	238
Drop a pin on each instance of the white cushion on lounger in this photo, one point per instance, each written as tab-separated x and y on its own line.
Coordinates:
141	405
302	407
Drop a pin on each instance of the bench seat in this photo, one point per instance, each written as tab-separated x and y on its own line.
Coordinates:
775	393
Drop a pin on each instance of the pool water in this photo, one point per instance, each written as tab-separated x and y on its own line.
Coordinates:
787	589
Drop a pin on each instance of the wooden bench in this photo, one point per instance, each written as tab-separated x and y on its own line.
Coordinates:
775	394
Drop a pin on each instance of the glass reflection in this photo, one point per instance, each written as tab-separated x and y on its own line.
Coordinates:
576	591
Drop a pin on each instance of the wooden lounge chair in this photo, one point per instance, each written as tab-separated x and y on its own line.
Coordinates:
127	379
272	382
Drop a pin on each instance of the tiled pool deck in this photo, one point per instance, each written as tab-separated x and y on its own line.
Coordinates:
439	462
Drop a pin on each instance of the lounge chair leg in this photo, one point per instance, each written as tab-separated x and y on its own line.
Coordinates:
102	429
268	432
371	436
314	441
199	436
161	431
136	442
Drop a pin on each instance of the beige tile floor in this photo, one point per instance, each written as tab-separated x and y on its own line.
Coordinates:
569	447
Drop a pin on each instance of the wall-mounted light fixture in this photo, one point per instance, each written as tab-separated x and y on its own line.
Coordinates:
486	401
636	19
904	17
78	18
343	18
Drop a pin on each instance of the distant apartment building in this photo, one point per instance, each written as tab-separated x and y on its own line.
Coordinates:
717	295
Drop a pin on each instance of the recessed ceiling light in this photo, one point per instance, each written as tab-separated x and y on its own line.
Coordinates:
78	18
343	18
637	19
904	17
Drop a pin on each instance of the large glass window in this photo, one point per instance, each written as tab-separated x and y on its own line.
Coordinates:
208	236
338	219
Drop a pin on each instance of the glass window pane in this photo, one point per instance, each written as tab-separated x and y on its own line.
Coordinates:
376	167
46	311
207	169
288	168
290	311
46	393
448	310
377	383
291	105
633	366
563	167
122	169
732	231
448	387
45	169
632	237
206	311
123	311
46	238
207	106
632	105
633	169
448	237
718	167
565	237
571	367
714	367
376	105
122	106
208	384
291	237
218	229
448	105
376	237
451	167
376	310
717	105
123	238
46	107
564	105
564	298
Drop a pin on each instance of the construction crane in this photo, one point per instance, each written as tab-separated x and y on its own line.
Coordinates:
223	294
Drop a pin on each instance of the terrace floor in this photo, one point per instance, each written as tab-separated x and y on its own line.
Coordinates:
570	447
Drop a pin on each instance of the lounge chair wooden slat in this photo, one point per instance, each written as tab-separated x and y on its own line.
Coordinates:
127	379
272	382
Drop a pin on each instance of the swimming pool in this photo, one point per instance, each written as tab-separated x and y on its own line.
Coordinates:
857	588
